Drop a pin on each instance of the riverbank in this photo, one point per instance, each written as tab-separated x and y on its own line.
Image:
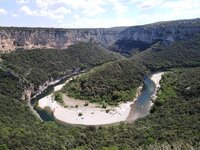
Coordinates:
156	79
142	106
81	112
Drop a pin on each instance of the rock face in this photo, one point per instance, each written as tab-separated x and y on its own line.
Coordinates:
124	39
12	38
165	32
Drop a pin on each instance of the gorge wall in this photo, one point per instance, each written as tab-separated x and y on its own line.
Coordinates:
162	31
141	37
120	39
12	38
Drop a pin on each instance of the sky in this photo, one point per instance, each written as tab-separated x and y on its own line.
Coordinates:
94	13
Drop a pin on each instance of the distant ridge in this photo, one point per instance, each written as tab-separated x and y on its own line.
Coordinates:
118	39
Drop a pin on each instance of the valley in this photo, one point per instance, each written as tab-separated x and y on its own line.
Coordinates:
82	112
95	75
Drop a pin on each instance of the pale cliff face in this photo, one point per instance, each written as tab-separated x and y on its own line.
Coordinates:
12	38
166	32
29	38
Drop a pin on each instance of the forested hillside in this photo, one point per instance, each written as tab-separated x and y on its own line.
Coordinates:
117	81
173	124
10	85
110	83
179	54
40	65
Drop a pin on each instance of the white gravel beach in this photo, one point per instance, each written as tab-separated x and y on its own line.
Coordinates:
156	79
85	115
92	114
75	112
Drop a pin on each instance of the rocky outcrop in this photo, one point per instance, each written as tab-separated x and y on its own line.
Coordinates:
141	37
166	32
26	95
120	39
13	38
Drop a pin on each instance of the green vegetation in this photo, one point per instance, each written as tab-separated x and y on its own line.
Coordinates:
179	54
58	96
110	83
117	81
80	114
40	65
11	85
129	47
166	91
175	123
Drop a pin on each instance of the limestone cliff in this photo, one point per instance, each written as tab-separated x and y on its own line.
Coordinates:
120	39
166	32
12	38
141	37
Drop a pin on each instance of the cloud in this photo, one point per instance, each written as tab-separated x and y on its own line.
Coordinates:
167	4
173	10
22	1
62	11
118	6
3	11
96	7
98	23
86	7
15	15
93	11
45	3
101	13
182	4
77	17
148	4
58	13
26	10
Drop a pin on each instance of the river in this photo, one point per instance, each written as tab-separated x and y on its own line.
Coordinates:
44	115
142	105
139	109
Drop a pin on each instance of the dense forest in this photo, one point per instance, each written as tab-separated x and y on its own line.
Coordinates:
40	65
174	120
10	84
173	123
110	83
128	47
117	81
178	54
